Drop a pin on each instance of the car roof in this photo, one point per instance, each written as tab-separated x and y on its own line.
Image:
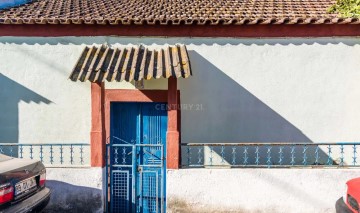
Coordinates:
4	157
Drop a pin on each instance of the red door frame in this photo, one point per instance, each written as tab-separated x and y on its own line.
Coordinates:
100	118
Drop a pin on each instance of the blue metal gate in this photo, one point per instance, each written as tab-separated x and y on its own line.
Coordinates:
136	158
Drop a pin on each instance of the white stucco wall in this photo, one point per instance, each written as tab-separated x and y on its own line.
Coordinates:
257	90
256	190
296	89
273	90
38	102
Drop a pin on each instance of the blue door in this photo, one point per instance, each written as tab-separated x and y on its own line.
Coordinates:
137	150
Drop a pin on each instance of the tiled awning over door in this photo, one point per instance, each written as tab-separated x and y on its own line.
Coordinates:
98	64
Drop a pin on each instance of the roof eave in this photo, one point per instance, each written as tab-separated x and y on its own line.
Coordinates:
58	30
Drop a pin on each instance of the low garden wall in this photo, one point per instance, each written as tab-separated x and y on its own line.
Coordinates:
256	190
75	190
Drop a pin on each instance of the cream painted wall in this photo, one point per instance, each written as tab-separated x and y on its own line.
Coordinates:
282	89
256	190
38	102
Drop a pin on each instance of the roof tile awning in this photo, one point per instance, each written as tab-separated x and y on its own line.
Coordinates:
98	64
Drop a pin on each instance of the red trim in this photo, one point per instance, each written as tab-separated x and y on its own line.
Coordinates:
123	95
97	139
135	95
310	30
172	134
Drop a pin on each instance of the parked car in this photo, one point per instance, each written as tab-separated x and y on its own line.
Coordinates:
351	198
22	185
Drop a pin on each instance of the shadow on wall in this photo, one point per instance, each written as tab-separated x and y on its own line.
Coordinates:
341	207
11	93
71	198
232	113
224	111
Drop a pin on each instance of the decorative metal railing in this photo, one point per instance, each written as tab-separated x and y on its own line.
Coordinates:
52	155
270	155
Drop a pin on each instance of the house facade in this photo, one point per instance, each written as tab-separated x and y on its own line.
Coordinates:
189	106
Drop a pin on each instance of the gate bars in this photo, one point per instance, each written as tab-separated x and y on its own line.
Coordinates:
135	178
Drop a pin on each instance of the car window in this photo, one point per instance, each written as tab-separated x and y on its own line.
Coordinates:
4	157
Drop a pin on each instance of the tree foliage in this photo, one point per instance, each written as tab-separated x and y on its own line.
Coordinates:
346	8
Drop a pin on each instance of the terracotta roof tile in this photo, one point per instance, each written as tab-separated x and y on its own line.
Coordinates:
173	12
98	64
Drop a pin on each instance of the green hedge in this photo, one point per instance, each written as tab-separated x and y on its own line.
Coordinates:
346	8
